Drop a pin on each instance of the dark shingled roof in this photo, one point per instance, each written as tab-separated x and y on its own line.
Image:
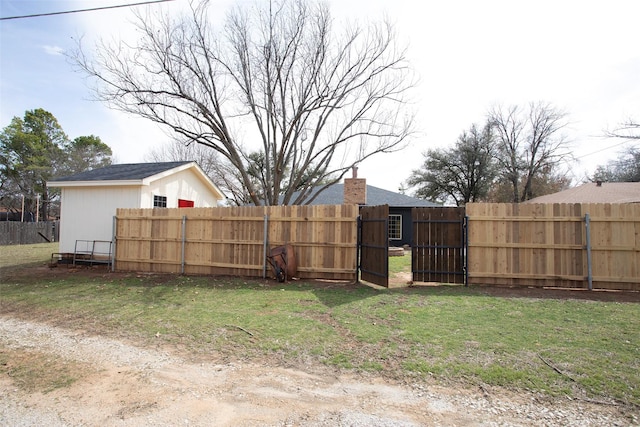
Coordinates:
122	172
334	195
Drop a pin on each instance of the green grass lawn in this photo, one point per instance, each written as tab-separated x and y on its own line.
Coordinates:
22	256
400	264
571	347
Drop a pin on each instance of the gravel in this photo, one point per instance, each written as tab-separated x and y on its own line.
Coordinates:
143	386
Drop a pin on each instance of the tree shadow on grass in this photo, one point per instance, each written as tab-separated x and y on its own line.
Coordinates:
337	294
524	292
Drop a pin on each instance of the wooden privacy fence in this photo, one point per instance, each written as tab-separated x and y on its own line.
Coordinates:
26	233
564	245
235	240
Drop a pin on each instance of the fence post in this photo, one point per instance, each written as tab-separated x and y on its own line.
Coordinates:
465	230
358	247
587	224
184	241
265	245
114	229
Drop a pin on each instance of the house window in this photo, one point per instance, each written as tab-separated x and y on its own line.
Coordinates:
159	201
395	227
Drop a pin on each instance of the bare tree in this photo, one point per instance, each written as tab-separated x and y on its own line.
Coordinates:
549	180
530	144
625	168
217	168
629	129
311	103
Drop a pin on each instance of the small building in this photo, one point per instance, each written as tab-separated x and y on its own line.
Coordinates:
595	192
89	199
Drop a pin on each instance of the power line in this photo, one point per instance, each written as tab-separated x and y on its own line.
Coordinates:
83	10
603	149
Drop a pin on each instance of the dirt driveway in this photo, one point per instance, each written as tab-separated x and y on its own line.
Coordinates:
121	384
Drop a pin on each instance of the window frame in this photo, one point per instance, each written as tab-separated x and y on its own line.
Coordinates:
399	227
159	201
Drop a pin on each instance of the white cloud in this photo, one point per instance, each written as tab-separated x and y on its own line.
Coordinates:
53	50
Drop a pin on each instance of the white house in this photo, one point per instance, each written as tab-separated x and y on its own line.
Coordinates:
89	199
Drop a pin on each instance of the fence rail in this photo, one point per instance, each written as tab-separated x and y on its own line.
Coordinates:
235	240
26	233
556	245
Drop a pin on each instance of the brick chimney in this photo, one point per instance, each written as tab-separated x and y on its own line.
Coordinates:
355	189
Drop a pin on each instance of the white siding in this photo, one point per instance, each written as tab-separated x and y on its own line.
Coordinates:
86	213
181	185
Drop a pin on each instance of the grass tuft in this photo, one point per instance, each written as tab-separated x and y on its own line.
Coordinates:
38	372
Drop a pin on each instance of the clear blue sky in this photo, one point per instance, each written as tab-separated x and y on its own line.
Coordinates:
582	56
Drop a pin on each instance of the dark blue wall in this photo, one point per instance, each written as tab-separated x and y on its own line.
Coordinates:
406	225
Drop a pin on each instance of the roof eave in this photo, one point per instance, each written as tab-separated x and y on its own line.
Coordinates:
100	183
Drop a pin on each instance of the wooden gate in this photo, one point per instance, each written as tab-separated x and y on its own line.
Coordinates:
438	245
374	244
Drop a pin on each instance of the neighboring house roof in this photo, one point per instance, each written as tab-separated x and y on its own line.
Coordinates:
593	192
131	174
334	195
